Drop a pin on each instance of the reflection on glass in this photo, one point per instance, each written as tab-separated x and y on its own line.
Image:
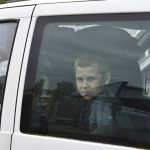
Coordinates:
7	31
85	81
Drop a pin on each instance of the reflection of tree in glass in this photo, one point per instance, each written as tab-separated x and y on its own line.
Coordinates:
63	109
39	107
65	88
37	88
2	1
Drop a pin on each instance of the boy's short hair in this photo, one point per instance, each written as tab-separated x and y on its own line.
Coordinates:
85	60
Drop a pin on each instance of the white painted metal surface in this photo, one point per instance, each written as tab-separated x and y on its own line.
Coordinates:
46	8
109	5
16	13
22	78
8	110
93	7
34	142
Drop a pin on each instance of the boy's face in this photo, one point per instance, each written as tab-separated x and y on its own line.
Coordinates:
89	81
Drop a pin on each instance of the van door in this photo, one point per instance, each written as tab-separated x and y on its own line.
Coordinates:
80	83
14	24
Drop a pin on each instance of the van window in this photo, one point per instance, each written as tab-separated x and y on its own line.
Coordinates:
7	32
86	79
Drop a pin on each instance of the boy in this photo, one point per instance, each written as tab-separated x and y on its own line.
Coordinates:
92	76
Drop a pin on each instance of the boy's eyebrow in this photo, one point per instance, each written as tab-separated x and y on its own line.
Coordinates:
91	76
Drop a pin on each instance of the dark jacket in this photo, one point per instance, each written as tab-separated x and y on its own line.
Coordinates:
102	116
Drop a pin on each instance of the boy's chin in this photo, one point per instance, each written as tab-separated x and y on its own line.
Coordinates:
88	98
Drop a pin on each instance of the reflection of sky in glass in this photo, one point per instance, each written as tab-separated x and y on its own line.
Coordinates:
132	32
3	68
7	31
6	35
58	52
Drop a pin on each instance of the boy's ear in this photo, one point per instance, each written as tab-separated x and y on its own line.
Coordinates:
107	78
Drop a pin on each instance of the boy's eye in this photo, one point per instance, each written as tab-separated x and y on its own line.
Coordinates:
80	79
91	78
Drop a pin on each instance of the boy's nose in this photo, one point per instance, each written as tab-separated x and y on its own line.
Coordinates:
85	83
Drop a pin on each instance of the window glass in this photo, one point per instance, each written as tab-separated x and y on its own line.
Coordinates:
88	79
7	32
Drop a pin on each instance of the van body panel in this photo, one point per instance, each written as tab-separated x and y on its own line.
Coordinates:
91	7
10	135
123	5
30	142
12	13
5	140
22	77
22	16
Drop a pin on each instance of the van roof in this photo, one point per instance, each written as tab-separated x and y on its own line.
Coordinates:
15	3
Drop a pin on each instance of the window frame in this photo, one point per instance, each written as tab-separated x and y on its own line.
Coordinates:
72	18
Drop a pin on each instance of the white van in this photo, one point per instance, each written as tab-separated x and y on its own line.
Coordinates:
75	75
